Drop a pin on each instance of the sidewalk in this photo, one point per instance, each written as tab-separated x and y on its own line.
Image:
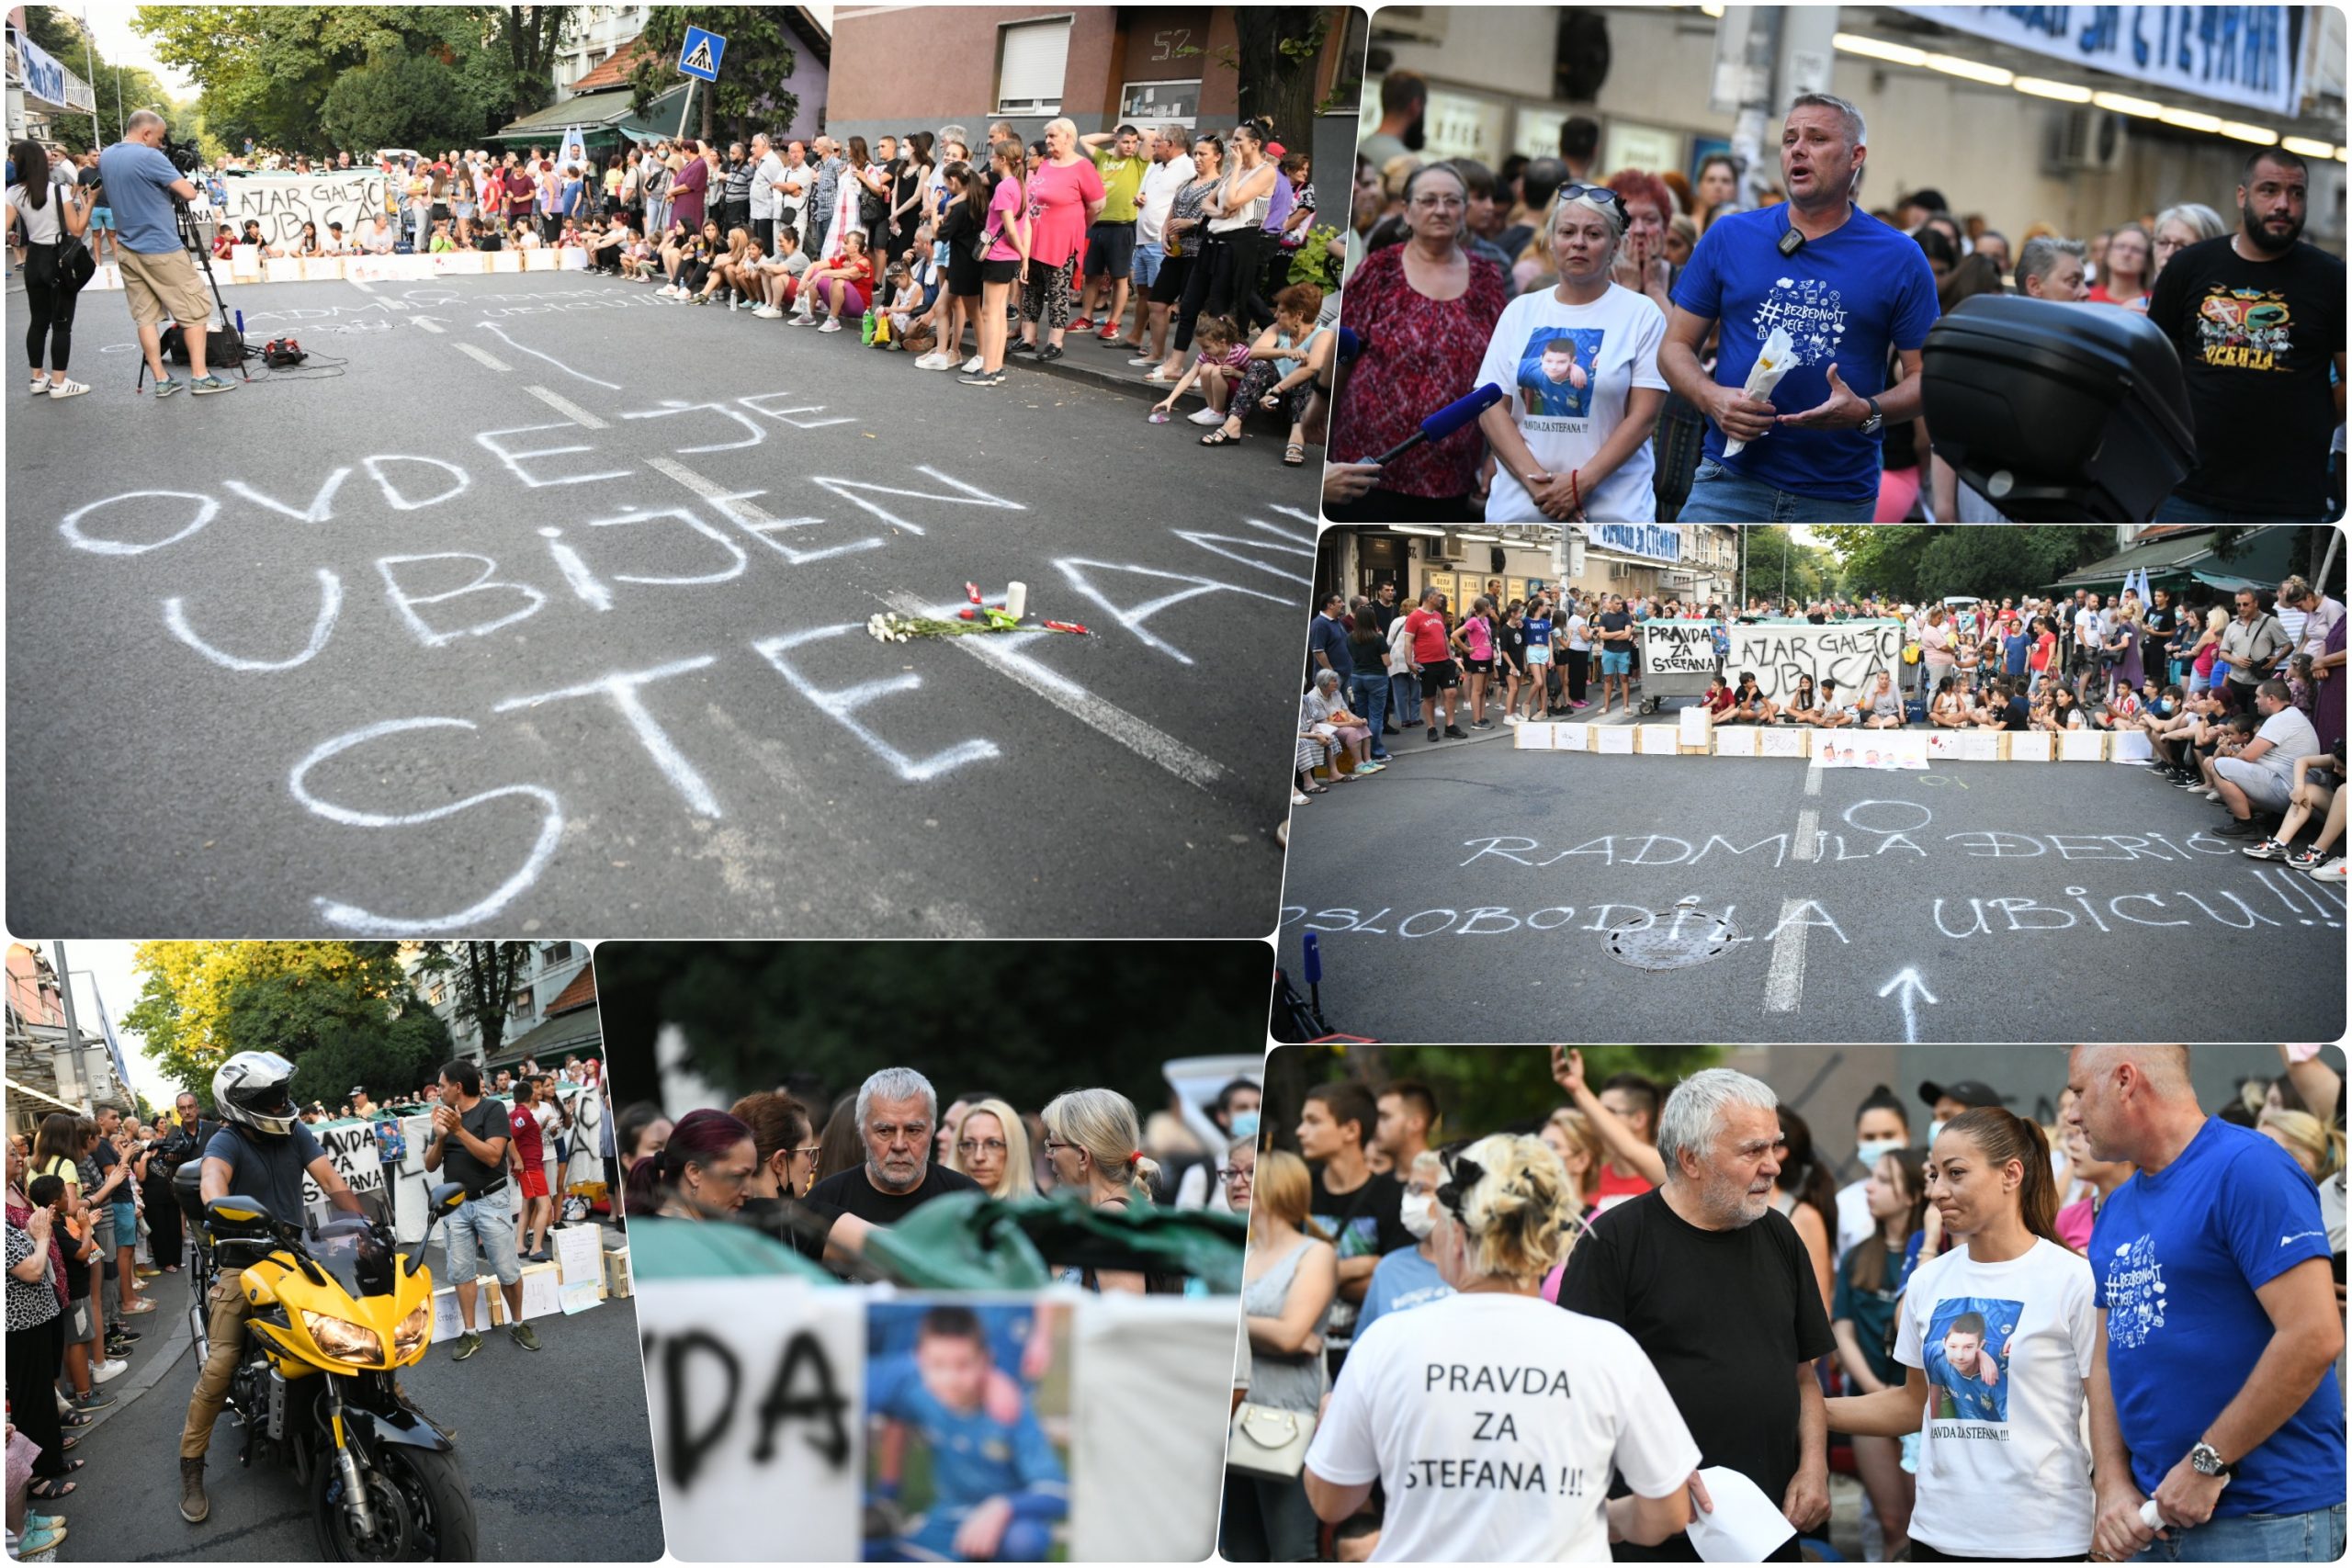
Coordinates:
1415	738
167	1332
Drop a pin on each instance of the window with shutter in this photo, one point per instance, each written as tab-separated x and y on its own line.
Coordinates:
1031	57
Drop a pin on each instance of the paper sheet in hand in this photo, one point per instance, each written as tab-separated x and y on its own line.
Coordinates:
1774	360
1746	1525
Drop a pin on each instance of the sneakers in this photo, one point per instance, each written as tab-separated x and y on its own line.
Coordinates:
1083	324
522	1335
1206	416
106	1371
1456	732
1142	360
1109	335
2236	827
65	388
40	386
1482	723
1432	733
767	312
2308	859
167	386
204	386
2331	872
1363	768
934	360
1514	718
981	378
467	1343
1052	351
972	366
93	1400
194	1505
2214	796
2269	849
832	324
800	318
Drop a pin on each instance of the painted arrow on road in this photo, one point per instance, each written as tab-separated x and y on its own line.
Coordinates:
1913	990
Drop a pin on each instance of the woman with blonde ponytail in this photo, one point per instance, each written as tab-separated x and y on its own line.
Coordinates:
1496	1381
1096	1145
1999	1337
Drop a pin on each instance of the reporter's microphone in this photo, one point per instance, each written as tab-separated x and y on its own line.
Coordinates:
1447	420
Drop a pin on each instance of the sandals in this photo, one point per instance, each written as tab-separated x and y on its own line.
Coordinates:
1295	454
1220	436
47	1490
1315	789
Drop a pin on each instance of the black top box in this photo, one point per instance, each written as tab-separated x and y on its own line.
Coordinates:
2058	413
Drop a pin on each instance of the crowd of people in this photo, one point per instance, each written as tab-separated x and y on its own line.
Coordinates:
1623	314
823	1174
94	1221
2115	1337
2241	696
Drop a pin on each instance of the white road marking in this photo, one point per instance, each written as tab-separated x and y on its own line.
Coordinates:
485	355
1808	840
1784	982
1107	718
1813	778
552	359
1914	989
364	288
567	408
429	324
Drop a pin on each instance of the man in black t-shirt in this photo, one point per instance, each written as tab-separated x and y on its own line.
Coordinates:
897	1111
1360	1212
1713	1283
2257	319
470	1137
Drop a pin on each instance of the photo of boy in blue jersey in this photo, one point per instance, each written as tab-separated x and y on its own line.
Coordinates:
1555	373
1968	1360
995	1480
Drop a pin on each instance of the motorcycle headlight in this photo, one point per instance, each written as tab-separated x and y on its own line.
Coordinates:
343	1339
412	1332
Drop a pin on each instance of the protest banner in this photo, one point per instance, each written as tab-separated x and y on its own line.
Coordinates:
1678	647
281	204
351	1147
1780	652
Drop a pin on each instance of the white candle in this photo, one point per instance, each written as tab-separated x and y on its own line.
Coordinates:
1017	599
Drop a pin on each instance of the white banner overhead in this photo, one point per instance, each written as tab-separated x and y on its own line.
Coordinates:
2250	55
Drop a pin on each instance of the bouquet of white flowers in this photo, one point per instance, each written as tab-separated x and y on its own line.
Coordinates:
1774	360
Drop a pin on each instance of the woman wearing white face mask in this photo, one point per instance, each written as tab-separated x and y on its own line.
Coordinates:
1496	1374
1408	1277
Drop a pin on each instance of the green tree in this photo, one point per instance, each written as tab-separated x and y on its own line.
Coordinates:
483	976
406	100
1022	1020
205	1002
1921	562
1278	51
763	52
1778	567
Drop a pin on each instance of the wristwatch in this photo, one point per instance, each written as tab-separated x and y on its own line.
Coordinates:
2206	1460
1871	426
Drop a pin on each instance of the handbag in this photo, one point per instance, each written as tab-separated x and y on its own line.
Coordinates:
1268	1443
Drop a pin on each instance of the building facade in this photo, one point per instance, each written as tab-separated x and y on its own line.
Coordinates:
1097	65
601	33
53	1066
548	973
1678	561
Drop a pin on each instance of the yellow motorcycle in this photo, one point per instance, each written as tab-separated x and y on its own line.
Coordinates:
337	1312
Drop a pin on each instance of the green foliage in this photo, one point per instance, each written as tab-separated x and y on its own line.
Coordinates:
1277	51
1480	1088
205	1002
763	52
483	975
1313	261
1918	562
404	100
1022	1020
1810	571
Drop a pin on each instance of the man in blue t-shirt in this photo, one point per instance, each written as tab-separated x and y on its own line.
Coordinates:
158	279
1847	289
2218	1327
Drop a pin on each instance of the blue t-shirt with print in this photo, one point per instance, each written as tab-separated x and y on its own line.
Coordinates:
1403	1279
1852	295
138	187
2179	1257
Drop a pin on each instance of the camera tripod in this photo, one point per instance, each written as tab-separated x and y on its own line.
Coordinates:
235	336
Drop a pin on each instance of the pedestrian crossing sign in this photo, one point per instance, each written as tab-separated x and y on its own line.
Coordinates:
699	56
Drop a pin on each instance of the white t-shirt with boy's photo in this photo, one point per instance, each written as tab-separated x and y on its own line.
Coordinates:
2003	1471
1567	372
1495	1421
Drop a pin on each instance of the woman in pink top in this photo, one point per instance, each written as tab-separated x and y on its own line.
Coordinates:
1064	196
1005	237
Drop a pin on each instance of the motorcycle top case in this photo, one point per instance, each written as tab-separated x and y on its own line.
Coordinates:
2058	413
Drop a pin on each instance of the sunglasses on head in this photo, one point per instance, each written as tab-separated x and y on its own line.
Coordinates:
1595	192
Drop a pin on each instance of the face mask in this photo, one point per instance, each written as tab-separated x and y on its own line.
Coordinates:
1935	1128
1877	1149
1420	1215
1245	1124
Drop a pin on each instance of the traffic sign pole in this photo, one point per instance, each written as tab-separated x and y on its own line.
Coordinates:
685	107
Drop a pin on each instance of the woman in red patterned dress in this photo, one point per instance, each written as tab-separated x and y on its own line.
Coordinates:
1425	310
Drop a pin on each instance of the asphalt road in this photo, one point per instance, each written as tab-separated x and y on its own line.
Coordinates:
1470	894
335	655
555	1448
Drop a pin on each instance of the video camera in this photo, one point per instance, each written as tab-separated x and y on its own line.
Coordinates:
184	155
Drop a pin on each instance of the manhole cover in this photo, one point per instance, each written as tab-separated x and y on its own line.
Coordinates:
1670	939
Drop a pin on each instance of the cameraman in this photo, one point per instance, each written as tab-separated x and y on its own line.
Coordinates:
158	278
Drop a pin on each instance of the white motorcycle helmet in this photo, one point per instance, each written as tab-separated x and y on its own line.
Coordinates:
250	1089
